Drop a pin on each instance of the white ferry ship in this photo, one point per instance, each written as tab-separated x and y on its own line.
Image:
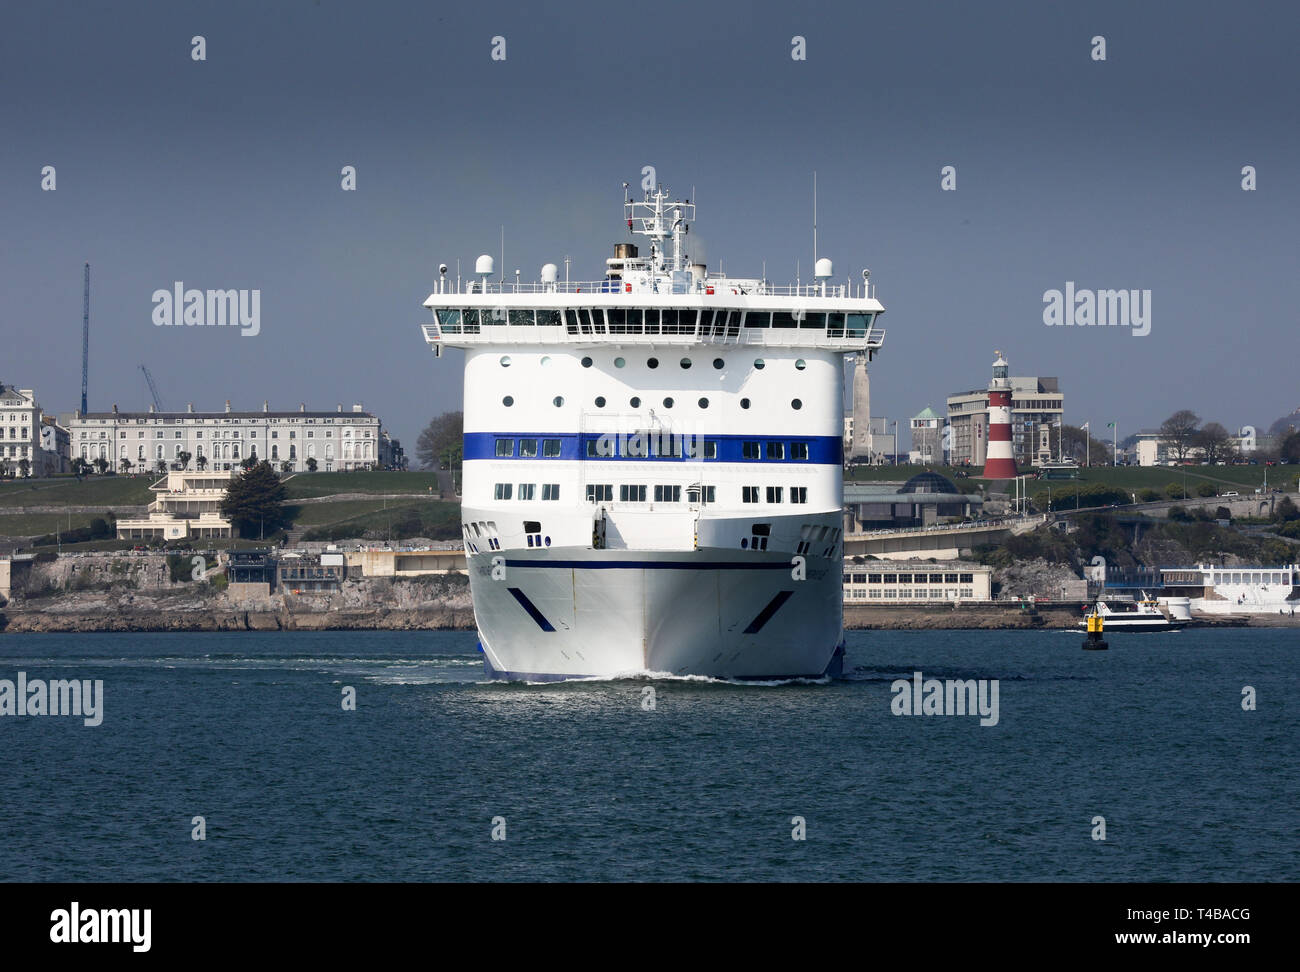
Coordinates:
652	462
1143	615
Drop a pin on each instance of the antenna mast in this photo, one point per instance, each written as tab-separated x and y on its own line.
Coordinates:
85	339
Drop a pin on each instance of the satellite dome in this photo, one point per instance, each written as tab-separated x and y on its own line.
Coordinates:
485	265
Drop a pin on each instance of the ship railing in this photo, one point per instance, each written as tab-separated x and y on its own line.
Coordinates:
871	338
706	287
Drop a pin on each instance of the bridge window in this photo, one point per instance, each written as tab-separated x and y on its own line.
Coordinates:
521	317
817	321
858	324
470	316
784	319
757	318
548	318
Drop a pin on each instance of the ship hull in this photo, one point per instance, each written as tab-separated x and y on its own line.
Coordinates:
581	613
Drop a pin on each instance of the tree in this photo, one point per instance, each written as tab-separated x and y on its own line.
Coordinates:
126	465
254	501
439	445
1285	511
184	459
24	467
1079	444
1206	489
1179	432
286	466
311	464
201	462
248	462
101	465
161	466
79	467
1290	447
1215	441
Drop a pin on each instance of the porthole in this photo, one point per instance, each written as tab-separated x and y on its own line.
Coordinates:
668	403
558	400
760	364
586	362
545	361
744	403
636	402
796	404
505	361
600	401
619	362
686	362
704	403
507	401
652	363
744	543
801	364
718	363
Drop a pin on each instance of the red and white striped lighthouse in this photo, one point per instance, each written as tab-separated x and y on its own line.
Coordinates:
999	463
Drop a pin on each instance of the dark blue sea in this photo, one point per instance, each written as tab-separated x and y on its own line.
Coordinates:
248	731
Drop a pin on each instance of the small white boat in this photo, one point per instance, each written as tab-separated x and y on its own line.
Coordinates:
1143	615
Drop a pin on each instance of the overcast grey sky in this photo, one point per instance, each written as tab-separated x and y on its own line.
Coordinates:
225	173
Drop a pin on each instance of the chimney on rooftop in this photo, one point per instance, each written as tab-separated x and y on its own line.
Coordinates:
356	407
150	409
227	404
302	406
339	406
189	406
266	405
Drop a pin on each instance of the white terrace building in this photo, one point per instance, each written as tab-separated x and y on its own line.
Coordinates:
188	506
336	440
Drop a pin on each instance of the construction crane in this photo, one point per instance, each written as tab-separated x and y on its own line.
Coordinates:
153	390
85	340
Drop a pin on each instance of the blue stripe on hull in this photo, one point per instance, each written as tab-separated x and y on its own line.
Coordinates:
824	450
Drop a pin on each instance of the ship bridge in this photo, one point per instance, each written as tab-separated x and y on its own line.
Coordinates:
658	299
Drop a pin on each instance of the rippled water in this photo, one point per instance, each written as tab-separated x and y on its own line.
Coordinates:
247	730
